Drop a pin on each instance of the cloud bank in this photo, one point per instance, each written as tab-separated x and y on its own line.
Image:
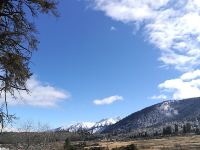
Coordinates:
108	100
172	26
40	95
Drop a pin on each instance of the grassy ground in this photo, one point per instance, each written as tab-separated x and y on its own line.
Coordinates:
169	143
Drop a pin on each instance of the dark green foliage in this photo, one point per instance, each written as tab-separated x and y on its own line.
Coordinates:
129	147
156	133
176	128
187	128
197	131
67	144
184	129
167	130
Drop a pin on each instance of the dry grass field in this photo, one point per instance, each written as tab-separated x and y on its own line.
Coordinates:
189	142
168	143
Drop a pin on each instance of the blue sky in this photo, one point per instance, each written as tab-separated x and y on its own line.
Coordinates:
103	59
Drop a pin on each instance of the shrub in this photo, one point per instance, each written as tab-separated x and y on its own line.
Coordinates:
129	147
67	145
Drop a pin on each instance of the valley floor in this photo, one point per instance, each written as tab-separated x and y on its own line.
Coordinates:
190	142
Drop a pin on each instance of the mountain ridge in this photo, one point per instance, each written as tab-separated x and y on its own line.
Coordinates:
160	114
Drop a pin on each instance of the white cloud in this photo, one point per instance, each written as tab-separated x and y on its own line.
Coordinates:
186	86
129	10
172	26
108	100
40	95
191	75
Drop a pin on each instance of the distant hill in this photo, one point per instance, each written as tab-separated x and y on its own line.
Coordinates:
174	111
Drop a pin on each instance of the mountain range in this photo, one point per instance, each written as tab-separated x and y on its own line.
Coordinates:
92	127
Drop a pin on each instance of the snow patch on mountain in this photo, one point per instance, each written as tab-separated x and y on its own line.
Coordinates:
167	109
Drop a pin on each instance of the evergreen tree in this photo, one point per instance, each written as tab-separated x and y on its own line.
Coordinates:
176	128
167	130
184	129
197	131
188	127
18	42
67	144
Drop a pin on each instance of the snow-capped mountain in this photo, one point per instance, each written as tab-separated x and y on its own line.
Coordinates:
76	127
102	124
81	126
92	127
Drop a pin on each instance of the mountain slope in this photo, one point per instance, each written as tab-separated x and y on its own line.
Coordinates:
159	114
